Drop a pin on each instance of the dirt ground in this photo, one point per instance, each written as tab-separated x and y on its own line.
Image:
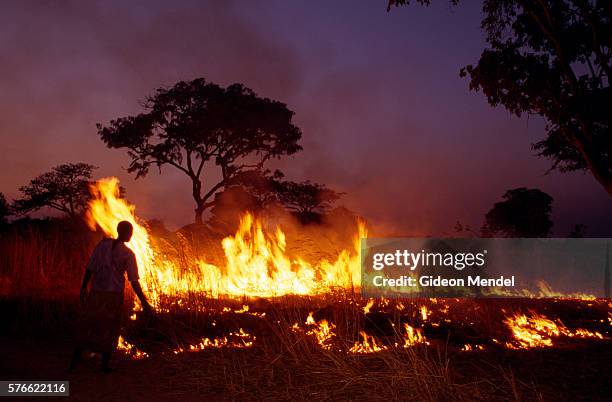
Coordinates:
141	380
574	374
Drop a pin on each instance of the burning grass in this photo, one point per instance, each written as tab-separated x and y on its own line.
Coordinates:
535	330
329	348
258	317
255	261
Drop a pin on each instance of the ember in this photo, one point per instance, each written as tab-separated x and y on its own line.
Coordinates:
238	340
130	349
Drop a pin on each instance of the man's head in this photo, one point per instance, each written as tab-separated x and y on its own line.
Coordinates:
124	231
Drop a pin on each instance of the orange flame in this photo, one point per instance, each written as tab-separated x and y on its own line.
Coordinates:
367	345
538	331
424	313
413	336
130	349
236	340
256	262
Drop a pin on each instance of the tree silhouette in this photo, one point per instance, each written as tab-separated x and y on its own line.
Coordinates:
305	198
196	122
65	188
263	185
523	213
552	58
579	231
5	210
462	229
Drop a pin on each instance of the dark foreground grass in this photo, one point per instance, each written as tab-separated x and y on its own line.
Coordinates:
40	271
285	363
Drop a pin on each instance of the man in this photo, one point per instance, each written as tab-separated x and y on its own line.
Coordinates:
98	330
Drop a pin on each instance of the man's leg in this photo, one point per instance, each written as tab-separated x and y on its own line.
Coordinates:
106	356
76	358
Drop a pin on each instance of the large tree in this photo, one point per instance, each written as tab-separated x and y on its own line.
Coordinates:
198	123
64	188
552	58
522	213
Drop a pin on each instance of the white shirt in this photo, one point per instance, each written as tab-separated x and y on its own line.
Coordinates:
108	265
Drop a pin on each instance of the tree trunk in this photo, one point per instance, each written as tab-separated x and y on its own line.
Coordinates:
198	216
197	197
595	162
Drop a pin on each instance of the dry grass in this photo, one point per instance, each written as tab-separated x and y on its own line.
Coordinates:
45	258
40	272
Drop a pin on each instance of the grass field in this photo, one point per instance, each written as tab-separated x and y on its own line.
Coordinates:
326	347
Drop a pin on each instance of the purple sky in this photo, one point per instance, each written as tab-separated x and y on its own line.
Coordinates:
385	115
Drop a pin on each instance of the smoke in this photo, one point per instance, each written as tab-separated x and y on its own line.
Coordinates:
70	65
385	116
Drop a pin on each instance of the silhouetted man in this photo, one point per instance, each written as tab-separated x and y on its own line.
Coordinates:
98	330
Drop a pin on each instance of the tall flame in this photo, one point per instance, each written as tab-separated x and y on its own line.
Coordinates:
256	262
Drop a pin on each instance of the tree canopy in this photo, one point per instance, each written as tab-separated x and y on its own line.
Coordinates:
306	197
522	213
552	58
303	198
578	231
197	122
64	188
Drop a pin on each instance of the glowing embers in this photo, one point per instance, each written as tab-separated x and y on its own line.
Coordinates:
368	344
368	306
471	348
130	349
235	340
536	331
244	310
424	313
323	331
413	336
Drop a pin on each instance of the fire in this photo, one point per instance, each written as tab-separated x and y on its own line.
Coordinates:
323	332
543	291
237	340
367	345
368	306
130	349
244	309
469	348
107	209
538	331
424	313
310	319
413	336
256	262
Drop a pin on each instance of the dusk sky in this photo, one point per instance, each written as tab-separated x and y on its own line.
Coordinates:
384	114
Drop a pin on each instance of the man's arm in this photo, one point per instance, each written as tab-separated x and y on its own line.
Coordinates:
143	300
86	279
132	274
